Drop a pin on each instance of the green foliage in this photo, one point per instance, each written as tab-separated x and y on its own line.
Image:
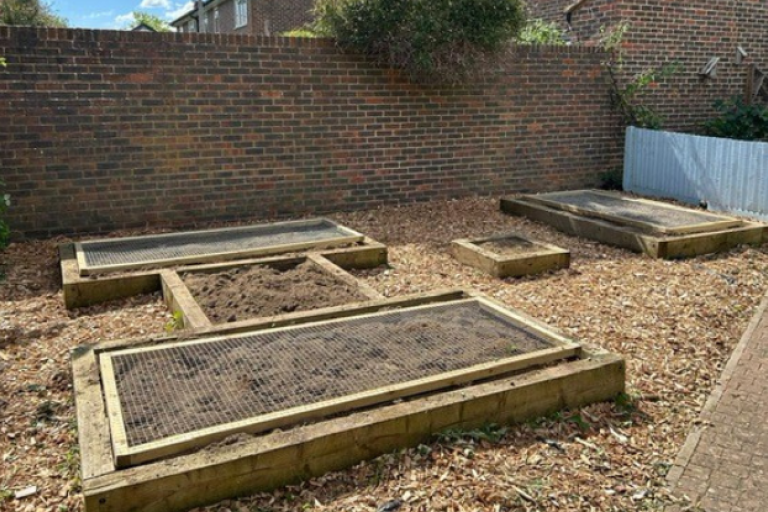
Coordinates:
627	99
541	32
300	32
3	63
737	120
5	229
33	13
175	323
433	41
149	20
612	180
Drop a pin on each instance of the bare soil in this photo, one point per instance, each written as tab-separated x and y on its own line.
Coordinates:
261	290
675	322
510	246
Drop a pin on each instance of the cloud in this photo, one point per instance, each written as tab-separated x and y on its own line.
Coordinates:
155	4
97	15
180	10
121	20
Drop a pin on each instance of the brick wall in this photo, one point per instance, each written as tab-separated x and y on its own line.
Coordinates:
689	32
103	130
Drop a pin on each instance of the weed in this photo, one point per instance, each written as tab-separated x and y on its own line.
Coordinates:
175	323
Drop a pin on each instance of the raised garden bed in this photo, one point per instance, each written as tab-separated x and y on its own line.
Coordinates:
651	227
510	255
236	292
211	245
574	376
80	291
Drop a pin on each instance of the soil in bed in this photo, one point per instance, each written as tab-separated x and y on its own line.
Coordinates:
260	290
177	390
510	246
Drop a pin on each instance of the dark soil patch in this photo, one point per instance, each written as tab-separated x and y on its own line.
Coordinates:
260	290
511	246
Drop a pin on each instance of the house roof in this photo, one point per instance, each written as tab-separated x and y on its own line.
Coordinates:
143	27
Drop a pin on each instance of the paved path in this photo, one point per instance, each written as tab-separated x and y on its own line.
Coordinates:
723	466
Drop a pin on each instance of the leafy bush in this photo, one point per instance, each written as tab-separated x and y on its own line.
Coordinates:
438	41
541	32
299	32
612	180
737	120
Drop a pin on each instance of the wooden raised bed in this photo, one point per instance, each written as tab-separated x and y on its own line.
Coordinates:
263	462
80	291
523	257
654	244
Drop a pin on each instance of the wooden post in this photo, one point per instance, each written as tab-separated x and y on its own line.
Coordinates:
749	90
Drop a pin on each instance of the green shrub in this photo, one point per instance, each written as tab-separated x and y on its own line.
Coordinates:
541	32
612	180
300	32
737	120
433	41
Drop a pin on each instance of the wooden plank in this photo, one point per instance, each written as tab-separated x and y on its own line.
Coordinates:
83	293
370	254
343	276
178	298
705	226
265	462
92	427
694	245
114	410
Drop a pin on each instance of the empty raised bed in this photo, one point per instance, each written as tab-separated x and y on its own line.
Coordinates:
172	249
510	255
658	229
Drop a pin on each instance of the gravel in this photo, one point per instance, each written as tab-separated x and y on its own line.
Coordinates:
676	322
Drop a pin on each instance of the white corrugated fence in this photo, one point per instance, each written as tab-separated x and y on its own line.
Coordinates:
730	175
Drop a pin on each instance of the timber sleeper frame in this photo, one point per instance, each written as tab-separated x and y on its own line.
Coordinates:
263	462
708	222
653	244
541	258
186	247
81	291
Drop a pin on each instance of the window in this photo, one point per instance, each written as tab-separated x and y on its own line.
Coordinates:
216	27
206	23
191	26
241	13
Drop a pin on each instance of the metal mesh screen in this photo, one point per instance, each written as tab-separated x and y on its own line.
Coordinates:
660	215
181	389
180	245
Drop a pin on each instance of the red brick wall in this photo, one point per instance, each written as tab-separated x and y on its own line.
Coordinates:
103	130
691	32
687	31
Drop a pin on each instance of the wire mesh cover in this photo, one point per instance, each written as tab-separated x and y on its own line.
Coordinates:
660	214
180	389
179	245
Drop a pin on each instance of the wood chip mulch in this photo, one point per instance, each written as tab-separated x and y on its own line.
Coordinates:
676	322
